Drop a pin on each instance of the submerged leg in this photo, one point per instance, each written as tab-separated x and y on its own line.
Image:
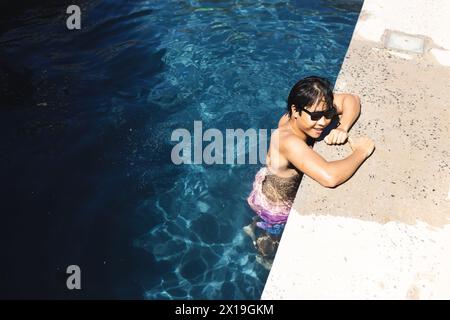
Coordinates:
267	245
266	263
250	230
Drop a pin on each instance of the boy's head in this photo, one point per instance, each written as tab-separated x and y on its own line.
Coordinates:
310	105
308	92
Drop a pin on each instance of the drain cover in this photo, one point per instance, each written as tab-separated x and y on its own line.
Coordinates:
400	41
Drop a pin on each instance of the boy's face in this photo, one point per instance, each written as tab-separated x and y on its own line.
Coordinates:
313	128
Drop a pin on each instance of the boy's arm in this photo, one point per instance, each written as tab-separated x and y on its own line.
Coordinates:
348	107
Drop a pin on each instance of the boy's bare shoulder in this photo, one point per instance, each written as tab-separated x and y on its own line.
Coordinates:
288	140
283	120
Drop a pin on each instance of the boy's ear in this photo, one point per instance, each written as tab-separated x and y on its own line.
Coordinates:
293	109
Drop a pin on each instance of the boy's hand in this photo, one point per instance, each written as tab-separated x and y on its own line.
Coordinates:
336	136
364	144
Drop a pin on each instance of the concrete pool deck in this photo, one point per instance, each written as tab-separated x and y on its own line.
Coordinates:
385	233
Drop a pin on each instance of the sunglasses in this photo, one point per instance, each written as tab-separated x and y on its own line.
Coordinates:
317	115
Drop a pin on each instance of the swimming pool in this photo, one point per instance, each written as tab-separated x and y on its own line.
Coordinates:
86	123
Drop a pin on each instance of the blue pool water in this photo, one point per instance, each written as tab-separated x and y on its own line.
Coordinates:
86	120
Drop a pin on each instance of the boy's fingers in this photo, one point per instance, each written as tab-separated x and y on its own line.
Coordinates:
345	138
335	138
330	138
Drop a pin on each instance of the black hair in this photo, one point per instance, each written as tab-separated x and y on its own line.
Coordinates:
308	92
